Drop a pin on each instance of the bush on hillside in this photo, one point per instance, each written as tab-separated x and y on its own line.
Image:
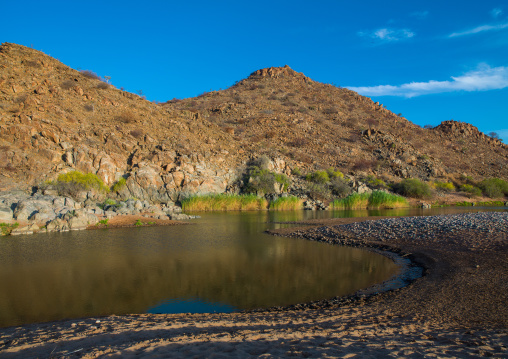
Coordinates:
296	172
263	181
471	190
412	187
72	183
319	191
340	187
333	173
444	186
262	162
374	182
119	185
318	177
494	187
90	75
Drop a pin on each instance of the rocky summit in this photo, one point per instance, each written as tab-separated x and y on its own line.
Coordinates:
54	120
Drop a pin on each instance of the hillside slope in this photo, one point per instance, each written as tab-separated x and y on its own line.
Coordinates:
54	119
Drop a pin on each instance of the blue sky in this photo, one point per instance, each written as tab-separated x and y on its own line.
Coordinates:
429	60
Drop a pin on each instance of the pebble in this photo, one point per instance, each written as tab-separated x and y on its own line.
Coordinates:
427	227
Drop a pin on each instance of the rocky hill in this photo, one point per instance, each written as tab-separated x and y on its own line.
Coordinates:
54	119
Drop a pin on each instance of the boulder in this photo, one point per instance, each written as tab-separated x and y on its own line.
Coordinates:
138	205
82	220
24	210
363	188
25	230
43	216
6	214
57	225
179	217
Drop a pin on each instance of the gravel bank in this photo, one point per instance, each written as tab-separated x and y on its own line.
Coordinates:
433	228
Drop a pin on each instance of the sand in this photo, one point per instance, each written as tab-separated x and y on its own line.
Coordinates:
457	310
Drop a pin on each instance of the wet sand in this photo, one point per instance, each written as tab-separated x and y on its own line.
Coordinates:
457	309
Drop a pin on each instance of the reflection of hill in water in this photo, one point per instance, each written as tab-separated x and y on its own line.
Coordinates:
49	277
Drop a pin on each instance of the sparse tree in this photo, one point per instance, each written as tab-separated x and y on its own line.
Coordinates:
494	135
141	94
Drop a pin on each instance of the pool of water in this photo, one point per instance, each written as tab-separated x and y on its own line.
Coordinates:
222	262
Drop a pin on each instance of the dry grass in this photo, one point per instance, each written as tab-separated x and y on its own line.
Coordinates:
289	203
224	202
127	117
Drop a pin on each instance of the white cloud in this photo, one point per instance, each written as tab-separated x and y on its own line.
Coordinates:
478	29
420	14
496	13
388	35
483	79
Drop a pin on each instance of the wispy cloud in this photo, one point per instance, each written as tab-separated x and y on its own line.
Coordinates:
479	29
483	79
387	34
420	14
496	12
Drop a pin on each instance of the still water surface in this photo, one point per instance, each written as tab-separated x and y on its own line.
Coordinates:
222	262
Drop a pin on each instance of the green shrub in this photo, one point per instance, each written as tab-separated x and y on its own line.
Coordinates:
494	187
224	202
340	187
262	162
319	191
296	171
103	222
286	203
282	179
109	202
7	228
86	181
374	182
72	183
467	179
471	190
444	186
332	173
263	181
412	187
318	177
138	223
119	185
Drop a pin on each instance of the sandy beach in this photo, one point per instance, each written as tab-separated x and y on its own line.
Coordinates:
456	310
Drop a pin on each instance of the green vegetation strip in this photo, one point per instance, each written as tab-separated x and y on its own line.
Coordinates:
289	203
224	202
376	199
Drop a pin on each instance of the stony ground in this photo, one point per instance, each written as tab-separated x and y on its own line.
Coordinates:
457	310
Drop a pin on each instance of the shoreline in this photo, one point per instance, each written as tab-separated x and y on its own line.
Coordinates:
456	309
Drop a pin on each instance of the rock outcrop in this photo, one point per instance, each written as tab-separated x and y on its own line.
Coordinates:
54	119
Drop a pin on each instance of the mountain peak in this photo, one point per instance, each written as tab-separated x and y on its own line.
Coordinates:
277	72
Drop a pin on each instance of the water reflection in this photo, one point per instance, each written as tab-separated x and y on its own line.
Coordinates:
222	259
